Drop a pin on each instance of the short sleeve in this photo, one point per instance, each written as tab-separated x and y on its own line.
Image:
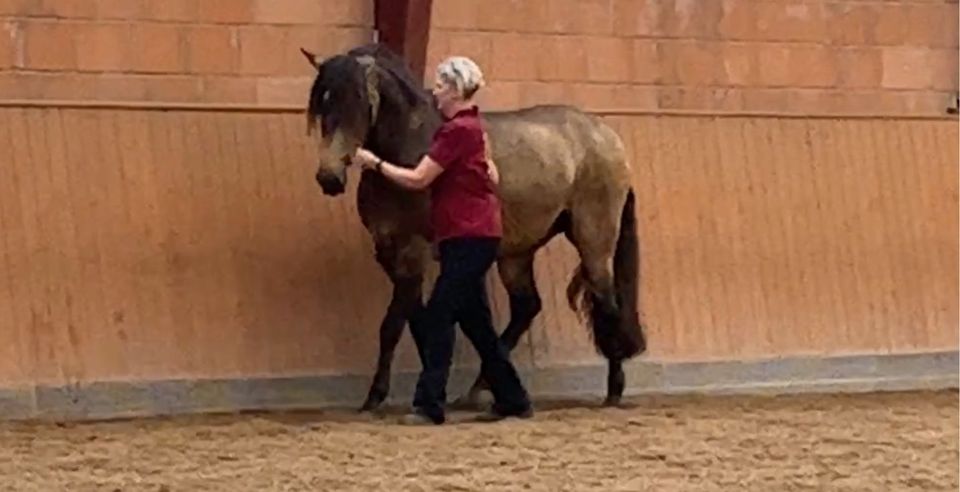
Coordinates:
447	146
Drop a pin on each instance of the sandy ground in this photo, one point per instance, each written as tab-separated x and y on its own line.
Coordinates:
895	442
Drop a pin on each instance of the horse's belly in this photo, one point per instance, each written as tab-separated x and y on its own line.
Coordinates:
524	237
528	216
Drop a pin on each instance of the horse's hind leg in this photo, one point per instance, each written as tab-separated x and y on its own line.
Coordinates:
594	233
605	319
525	304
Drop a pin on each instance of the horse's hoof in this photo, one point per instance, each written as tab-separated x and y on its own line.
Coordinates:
469	401
462	403
612	401
372	404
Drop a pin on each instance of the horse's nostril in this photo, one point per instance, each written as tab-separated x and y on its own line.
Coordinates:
330	184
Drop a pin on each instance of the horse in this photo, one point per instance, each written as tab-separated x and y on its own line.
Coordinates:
562	171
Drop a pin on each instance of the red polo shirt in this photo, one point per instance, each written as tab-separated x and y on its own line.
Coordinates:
463	200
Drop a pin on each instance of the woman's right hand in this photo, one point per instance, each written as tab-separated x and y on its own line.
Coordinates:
493	172
365	159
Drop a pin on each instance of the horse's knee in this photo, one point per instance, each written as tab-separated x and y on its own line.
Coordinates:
404	303
409	294
401	258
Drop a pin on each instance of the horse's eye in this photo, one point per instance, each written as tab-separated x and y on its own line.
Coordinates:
325	102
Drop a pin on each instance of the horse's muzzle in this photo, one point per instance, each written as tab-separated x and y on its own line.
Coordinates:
331	185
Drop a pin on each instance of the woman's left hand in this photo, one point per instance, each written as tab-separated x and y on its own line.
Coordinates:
365	159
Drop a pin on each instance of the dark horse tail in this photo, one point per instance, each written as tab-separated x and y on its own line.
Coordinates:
626	281
617	330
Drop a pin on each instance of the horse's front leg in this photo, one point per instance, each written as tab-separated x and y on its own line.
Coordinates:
406	299
401	264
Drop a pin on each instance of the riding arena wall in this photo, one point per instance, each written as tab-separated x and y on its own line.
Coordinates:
164	247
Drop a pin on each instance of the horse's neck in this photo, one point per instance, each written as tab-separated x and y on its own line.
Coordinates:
401	136
402	133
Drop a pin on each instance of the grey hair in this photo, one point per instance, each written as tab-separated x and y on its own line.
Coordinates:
461	73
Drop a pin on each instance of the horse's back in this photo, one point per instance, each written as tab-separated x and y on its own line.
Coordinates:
535	146
557	136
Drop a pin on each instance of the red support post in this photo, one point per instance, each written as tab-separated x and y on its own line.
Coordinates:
404	26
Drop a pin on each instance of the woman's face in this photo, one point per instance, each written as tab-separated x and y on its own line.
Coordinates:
446	96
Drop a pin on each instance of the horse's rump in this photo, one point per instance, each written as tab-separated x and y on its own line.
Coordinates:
549	157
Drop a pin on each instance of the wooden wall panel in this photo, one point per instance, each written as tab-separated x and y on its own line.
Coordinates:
182	244
176	244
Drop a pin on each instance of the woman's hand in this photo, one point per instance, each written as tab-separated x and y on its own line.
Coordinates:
366	159
493	173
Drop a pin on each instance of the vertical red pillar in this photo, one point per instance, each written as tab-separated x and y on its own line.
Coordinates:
404	26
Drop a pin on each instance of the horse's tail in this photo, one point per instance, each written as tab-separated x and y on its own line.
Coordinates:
617	335
626	279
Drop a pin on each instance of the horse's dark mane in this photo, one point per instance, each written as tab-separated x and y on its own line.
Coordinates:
340	69
395	66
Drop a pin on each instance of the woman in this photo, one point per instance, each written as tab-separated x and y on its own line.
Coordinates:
465	215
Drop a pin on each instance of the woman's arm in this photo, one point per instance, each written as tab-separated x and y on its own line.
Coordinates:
417	178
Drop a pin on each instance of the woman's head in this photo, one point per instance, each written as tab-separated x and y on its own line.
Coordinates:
458	80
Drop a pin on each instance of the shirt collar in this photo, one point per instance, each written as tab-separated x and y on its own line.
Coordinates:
471	111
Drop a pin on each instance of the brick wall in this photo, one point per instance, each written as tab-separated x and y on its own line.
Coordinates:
806	56
222	51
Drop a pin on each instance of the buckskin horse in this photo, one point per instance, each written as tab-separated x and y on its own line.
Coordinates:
561	171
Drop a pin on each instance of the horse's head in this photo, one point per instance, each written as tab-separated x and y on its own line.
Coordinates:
344	101
369	92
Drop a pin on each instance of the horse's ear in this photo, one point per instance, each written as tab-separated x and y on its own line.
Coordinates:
312	58
367	62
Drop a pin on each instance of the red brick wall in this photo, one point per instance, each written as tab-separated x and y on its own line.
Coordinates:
807	56
223	51
799	56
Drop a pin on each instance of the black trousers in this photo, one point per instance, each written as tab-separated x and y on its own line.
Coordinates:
460	297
